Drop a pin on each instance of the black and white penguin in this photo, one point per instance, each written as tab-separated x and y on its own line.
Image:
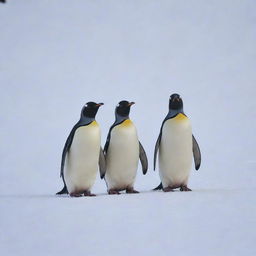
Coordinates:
176	145
82	154
123	151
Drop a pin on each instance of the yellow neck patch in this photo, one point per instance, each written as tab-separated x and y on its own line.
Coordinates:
180	117
125	123
93	123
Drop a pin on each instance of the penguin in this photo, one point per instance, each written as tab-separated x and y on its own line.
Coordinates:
82	153
175	146
123	151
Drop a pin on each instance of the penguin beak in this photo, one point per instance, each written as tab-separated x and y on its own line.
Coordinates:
100	104
176	99
131	103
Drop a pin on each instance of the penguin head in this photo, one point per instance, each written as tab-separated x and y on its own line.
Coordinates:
90	109
175	102
123	108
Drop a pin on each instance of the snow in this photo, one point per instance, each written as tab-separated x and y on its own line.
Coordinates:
205	222
55	56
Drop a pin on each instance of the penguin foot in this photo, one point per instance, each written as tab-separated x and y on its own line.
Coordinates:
185	188
88	193
75	194
113	192
131	191
168	189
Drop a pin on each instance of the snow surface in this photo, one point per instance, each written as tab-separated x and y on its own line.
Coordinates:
57	55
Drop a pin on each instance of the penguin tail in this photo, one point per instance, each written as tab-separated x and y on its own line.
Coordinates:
160	186
63	191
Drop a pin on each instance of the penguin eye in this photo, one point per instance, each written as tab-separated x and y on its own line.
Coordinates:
86	105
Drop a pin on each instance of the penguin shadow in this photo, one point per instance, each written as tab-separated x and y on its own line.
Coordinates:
122	194
106	194
176	191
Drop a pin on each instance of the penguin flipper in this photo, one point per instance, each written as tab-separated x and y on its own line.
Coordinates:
66	149
196	153
117	122
156	149
160	186
63	158
63	191
102	163
107	143
143	159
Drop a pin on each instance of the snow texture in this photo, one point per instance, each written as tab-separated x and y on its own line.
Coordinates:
57	55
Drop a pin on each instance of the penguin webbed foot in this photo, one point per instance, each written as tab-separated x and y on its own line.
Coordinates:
75	194
185	188
88	193
168	189
113	192
131	191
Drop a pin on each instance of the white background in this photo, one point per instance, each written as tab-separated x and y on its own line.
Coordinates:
57	55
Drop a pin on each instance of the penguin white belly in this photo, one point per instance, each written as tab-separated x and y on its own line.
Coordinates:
175	152
122	156
82	159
